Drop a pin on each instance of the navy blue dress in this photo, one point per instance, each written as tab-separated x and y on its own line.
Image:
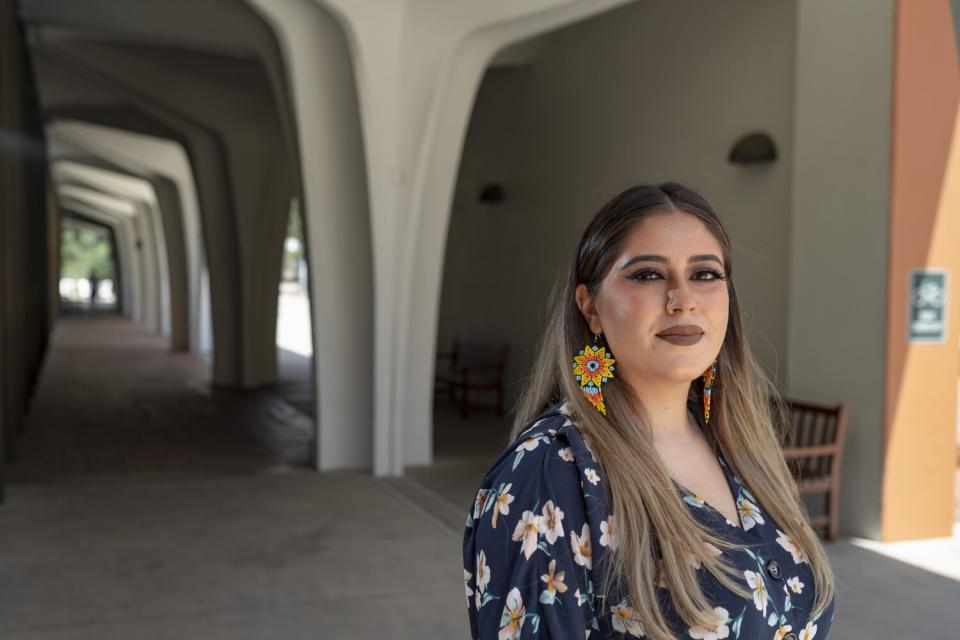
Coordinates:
539	527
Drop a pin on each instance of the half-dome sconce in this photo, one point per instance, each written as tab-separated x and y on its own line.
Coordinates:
753	148
491	194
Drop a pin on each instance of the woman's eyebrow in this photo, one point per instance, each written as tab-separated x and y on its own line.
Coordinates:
700	257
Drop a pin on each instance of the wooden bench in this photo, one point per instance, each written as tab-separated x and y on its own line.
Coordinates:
814	452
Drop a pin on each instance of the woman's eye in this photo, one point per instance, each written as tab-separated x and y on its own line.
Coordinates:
646	274
708	274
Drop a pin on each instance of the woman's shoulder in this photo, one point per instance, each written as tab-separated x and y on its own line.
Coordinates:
548	460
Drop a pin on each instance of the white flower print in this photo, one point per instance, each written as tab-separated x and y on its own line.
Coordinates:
528	530
591	476
466	583
553	580
782	632
755	580
784	541
565	408
501	505
582	552
795	585
808	632
513	615
531	443
483	571
625	619
566	454
749	513
607	537
715	633
552	521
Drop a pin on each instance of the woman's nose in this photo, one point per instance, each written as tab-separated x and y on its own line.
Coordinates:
680	298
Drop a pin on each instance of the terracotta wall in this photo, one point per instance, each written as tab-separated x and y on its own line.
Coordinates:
924	232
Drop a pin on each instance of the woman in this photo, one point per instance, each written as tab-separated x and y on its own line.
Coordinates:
644	493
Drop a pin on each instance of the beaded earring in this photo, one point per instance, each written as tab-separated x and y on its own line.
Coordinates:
593	368
708	378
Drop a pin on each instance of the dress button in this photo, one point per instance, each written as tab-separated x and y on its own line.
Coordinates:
774	570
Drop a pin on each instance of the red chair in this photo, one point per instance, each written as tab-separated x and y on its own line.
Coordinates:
470	368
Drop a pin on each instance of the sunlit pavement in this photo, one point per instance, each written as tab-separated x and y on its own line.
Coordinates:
938	555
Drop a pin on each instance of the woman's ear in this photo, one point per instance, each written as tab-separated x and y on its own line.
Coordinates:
588	308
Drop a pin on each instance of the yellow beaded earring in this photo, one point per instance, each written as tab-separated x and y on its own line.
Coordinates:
593	368
708	378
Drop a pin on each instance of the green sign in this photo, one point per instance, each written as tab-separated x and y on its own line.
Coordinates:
927	322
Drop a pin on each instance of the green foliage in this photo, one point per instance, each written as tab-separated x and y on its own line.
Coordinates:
83	249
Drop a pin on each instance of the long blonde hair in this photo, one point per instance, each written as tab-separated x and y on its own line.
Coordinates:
747	423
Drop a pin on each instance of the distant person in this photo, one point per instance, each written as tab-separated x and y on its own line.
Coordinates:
94	285
645	493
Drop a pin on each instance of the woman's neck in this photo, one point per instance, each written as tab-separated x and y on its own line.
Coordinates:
666	408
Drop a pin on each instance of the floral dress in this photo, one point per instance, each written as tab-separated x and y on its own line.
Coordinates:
539	526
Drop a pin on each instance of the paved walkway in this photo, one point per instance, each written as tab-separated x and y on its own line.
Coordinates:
244	557
113	399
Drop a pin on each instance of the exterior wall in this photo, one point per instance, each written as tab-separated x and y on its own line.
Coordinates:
548	131
921	382
841	176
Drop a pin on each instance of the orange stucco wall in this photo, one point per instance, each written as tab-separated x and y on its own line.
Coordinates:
921	379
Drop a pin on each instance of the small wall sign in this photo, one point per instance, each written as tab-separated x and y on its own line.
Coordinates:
927	322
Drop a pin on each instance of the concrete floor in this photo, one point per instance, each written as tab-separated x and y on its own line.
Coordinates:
112	399
296	555
251	549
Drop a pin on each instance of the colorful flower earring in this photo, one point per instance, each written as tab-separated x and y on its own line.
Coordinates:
708	378
593	368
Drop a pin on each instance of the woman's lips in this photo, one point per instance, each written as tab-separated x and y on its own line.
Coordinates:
681	339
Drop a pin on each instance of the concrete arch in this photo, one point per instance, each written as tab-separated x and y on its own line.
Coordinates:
142	245
207	160
83	219
416	74
162	194
166	165
139	192
249	197
130	277
431	198
225	26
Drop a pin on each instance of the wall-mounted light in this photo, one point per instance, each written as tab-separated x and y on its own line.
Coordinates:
492	193
754	148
